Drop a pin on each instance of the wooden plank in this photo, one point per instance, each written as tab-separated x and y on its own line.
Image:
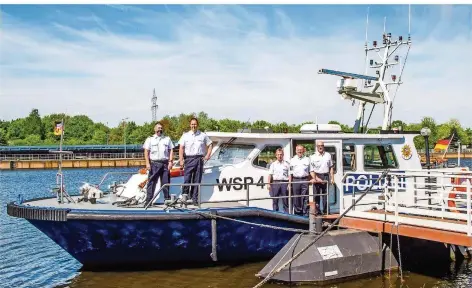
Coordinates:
425	233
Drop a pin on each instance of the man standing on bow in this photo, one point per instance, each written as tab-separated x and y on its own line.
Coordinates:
300	172
322	173
158	154
195	146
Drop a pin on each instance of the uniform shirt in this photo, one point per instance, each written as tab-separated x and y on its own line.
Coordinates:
194	143
279	170
321	163
300	167
159	147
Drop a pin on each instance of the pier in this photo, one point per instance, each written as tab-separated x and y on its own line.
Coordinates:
83	156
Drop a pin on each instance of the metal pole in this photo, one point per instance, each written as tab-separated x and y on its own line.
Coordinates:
61	182
458	153
124	135
290	208
214	243
426	143
199	196
247	195
468	191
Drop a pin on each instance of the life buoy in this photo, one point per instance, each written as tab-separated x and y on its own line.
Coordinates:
452	195
176	172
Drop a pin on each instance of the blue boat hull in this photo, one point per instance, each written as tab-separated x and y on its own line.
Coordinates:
142	241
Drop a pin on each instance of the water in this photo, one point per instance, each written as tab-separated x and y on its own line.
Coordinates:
30	259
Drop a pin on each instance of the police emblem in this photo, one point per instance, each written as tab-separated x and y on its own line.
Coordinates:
406	152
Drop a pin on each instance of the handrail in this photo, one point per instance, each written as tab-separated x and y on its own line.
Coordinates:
110	173
238	184
407	197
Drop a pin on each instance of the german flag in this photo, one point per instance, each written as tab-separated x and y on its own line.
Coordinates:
442	144
58	127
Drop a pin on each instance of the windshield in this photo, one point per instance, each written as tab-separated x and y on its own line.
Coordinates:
230	154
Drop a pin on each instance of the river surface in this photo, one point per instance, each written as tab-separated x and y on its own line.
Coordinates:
30	259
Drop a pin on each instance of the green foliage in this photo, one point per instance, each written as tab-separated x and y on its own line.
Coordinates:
80	129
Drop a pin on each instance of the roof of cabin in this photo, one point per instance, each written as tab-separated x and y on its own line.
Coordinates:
307	135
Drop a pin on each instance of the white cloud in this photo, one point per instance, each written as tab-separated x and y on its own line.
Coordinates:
221	60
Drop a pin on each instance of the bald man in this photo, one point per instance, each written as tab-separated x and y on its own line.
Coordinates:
322	172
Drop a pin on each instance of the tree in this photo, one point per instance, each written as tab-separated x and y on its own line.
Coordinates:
3	138
399	124
33	124
79	127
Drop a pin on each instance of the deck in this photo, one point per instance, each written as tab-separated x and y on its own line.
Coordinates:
407	230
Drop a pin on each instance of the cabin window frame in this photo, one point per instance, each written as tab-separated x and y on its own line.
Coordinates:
260	151
293	145
377	145
354	153
248	157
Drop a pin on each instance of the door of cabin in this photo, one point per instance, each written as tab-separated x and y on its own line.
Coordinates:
334	148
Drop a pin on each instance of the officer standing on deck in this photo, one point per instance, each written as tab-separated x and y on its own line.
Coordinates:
300	172
322	173
278	172
158	154
194	147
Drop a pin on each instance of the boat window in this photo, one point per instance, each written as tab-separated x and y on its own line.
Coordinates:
308	144
332	151
230	154
266	156
349	157
379	157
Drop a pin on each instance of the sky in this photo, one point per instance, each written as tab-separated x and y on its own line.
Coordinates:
256	62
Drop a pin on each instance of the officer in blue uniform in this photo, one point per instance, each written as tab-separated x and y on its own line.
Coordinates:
279	172
300	172
195	146
158	154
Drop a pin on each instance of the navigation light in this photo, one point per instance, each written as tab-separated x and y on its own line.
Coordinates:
396	58
375	43
394	77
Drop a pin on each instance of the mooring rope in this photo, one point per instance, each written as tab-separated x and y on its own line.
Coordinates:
212	216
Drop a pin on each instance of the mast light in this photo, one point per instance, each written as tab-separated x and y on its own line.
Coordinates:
400	38
394	77
375	43
371	62
396	58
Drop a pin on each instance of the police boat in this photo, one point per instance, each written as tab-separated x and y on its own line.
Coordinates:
106	225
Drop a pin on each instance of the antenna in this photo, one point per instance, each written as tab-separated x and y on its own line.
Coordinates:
154	106
367	26
385	22
409	21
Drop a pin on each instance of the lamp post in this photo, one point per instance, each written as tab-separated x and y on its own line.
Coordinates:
425	132
124	132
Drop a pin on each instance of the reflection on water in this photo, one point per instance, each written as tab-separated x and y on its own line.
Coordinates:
30	259
243	276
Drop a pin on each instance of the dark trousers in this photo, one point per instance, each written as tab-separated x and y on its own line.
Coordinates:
193	172
159	170
300	189
279	190
320	188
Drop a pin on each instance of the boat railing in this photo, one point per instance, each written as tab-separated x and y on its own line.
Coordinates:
247	199
429	198
75	156
114	173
